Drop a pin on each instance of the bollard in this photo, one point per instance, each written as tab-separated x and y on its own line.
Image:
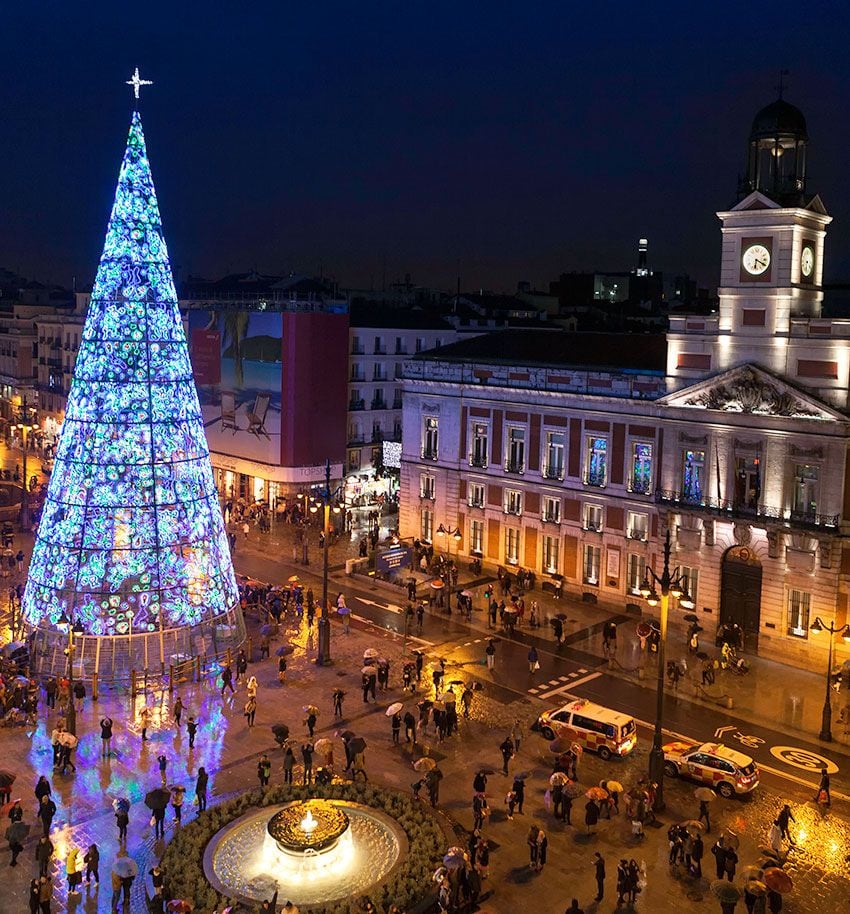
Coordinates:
133	684
729	702
171	679
94	686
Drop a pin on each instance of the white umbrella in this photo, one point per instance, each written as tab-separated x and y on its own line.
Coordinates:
370	653
394	708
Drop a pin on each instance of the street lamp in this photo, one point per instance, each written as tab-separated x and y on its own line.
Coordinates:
70	629
326	497
668	584
832	630
26	422
453	533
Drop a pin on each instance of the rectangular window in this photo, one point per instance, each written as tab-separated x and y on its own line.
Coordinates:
693	476
805	500
515	457
637	526
476	537
379	346
476	495
430	437
512	545
420	344
636	573
426	530
799	606
690	581
593	517
596	470
551	554
480	443
552	509
553	465
641	481
592	558
427	486
513	501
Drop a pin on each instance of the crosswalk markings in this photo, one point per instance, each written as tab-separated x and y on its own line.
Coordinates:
565	689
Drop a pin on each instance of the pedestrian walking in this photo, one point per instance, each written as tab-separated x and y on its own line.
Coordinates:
338	696
409	727
45	893
719	851
177	794
79	695
250	711
396	728
622	881
162	761
122	820
42	789
533	846
288	765
490	654
516	734
264	770
281	670
144	721
43	854
159	822
33	896
310	721
507	750
92	862
46	812
50	690
558	630
106	737
307	758
201	788
599	875
158	882
609	638
479	804
241	664
116	890
519	791
227	680
704	816
591	815
191	729
533	661
542	849
697	851
730	864
420	662
783	819
177	710
823	796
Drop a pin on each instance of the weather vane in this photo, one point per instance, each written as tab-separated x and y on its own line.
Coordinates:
137	82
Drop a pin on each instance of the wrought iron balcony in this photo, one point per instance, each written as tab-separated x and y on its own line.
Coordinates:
721	506
515	466
556	471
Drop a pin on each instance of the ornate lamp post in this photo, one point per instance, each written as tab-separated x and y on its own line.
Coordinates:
327	498
26	423
668	584
453	533
832	630
70	629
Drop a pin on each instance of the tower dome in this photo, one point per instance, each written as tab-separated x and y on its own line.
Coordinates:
776	163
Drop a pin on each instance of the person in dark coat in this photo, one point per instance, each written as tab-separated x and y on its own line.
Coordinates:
409	727
519	791
201	788
92	862
396	727
784	818
719	851
823	788
191	729
591	814
42	789
599	867
33	896
122	820
46	812
507	750
43	854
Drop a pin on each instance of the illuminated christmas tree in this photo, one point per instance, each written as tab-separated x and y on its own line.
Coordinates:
131	540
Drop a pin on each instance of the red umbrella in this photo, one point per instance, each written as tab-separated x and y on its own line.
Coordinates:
777	880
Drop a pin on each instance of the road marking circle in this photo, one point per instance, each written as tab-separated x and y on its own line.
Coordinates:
802	758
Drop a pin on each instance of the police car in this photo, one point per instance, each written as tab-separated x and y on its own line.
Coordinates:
728	772
592	726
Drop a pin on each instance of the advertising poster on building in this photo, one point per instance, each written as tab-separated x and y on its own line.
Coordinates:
237	361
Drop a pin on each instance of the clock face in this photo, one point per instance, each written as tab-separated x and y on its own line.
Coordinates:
807	261
756	259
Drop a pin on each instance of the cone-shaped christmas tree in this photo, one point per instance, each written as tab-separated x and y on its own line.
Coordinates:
131	541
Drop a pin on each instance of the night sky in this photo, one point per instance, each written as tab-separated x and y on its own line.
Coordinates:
503	141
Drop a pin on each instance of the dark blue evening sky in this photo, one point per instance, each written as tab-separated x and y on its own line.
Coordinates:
507	140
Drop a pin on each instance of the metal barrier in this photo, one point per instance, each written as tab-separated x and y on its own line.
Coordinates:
113	657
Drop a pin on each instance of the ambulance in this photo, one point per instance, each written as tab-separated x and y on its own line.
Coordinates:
728	772
592	726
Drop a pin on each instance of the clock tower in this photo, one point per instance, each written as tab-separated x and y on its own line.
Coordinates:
771	272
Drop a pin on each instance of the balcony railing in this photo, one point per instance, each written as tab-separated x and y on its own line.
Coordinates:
379	404
429	453
478	460
354	405
515	466
721	506
357	350
513	509
553	472
397	404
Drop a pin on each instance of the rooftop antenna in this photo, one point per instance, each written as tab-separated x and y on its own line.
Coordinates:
781	87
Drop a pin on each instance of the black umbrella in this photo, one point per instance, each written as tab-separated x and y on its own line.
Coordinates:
7	778
425	703
17	832
456	682
284	649
281	733
690	617
701	655
157	799
358	744
562	616
347	734
485	769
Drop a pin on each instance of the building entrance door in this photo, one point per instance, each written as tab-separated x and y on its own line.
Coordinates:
740	592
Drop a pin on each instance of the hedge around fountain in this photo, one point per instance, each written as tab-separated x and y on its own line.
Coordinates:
408	883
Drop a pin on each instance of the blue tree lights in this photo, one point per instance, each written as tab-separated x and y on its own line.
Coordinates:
131	539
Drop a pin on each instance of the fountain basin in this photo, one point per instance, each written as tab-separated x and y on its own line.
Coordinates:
246	860
311	825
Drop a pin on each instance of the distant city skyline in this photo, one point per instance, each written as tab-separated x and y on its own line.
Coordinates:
370	144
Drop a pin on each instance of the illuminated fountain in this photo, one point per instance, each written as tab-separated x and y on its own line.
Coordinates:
314	851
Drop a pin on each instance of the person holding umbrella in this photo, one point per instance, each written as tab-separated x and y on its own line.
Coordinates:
396	727
705	795
15	835
157	801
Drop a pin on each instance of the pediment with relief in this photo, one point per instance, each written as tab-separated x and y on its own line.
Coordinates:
748	389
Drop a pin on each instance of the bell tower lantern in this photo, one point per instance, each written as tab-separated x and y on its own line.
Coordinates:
776	163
